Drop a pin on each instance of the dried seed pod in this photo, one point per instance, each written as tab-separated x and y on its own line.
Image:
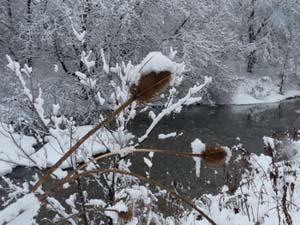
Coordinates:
215	155
150	85
126	216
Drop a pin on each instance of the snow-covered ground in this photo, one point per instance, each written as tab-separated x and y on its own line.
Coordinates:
261	198
10	154
261	90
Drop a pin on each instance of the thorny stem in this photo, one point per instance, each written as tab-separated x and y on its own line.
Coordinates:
144	179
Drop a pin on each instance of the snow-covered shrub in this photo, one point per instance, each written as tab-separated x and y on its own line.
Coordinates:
61	133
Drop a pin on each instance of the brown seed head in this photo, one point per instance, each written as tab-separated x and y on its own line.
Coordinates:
126	216
150	85
214	155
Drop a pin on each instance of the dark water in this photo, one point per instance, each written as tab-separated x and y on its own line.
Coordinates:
225	125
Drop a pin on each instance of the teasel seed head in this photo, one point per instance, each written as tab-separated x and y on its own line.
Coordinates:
150	85
215	155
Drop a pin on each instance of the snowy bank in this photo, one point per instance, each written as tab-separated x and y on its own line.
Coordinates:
259	199
17	150
262	90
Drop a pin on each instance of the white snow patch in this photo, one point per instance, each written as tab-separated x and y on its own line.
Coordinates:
100	99
86	61
96	202
15	150
119	207
21	212
269	142
228	154
79	35
55	68
148	162
59	143
197	147
165	136
156	62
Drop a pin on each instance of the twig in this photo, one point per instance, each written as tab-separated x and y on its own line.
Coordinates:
81	141
167	152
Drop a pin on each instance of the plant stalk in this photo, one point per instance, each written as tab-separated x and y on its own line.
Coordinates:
81	141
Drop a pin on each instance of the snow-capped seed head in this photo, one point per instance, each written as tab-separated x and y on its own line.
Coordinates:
216	155
150	85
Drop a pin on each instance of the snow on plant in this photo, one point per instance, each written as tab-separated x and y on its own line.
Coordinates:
128	85
267	194
35	103
79	35
197	147
16	149
165	136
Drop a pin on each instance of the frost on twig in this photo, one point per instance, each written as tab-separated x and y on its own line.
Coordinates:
79	35
36	103
85	58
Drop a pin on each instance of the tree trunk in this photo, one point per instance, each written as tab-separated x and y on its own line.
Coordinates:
251	61
29	36
251	38
9	13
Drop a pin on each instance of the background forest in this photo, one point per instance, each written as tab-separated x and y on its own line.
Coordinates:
248	47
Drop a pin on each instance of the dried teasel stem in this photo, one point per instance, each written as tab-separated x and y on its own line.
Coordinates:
210	155
81	141
144	179
149	85
288	217
127	151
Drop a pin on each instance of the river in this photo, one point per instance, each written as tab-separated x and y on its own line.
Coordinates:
227	125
